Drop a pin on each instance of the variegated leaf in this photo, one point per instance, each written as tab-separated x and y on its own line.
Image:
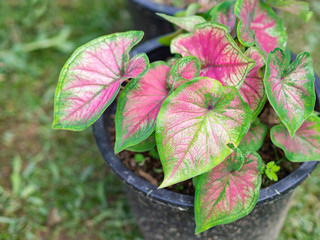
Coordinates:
300	8
186	23
253	140
194	125
185	68
139	105
252	89
91	79
290	90
259	25
219	55
224	14
304	145
224	195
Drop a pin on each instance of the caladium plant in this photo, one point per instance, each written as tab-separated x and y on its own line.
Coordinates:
201	109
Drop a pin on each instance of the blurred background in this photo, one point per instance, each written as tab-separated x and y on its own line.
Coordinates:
54	184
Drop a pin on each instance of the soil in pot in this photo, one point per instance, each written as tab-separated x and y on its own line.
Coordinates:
206	4
151	169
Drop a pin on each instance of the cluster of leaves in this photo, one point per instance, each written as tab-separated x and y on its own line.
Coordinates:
201	109
271	170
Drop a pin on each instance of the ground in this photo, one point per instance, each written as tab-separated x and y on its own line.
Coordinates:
54	184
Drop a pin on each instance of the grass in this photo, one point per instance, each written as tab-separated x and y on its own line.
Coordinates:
53	184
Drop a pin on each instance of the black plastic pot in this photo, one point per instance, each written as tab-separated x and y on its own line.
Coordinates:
166	215
143	14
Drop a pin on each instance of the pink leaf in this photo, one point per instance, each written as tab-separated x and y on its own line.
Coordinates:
224	14
184	69
290	90
302	9
259	25
219	55
139	104
304	145
224	195
252	89
91	78
253	140
194	125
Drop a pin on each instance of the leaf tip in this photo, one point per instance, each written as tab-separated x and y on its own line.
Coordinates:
165	183
117	147
201	228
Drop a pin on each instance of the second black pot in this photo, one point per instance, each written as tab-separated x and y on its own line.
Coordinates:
143	14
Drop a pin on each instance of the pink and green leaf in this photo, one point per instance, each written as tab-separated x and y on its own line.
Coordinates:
219	55
195	124
304	145
237	156
290	90
139	105
146	145
259	25
186	68
187	23
91	78
224	195
252	90
224	14
299	8
254	138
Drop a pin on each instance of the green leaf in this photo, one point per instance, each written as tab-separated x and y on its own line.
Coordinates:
268	173
139	157
274	176
186	23
270	164
145	145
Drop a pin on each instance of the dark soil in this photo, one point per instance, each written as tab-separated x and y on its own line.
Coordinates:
151	169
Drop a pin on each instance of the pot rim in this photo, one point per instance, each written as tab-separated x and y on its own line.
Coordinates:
271	193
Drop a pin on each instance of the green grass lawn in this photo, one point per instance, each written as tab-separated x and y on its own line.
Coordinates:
54	184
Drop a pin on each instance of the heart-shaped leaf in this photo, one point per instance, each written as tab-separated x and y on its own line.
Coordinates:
304	145
299	8
259	25
224	195
146	145
290	90
194	125
91	79
139	104
224	14
252	89
186	23
185	68
219	55
253	140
